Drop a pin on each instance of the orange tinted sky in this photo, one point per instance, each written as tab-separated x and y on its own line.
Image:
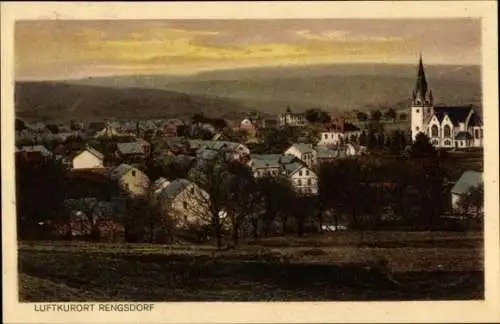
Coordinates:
75	49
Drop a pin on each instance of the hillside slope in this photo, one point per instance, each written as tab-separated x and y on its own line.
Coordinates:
62	101
338	87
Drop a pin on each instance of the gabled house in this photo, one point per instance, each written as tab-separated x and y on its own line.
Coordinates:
467	181
89	158
303	179
184	202
303	152
131	151
247	125
131	180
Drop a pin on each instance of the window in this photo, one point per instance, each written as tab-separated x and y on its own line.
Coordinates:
418	110
299	182
476	133
326	136
300	173
185	204
434	131
417	128
447	131
133	173
307	172
309	181
481	133
447	142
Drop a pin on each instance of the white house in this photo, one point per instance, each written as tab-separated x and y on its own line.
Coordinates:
292	119
446	126
303	179
89	158
340	133
303	152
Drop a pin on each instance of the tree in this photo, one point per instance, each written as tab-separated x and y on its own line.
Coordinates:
390	114
363	139
376	115
219	123
229	193
422	146
473	201
430	184
403	116
198	118
277	195
317	116
362	116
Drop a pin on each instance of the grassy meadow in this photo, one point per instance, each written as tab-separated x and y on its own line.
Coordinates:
331	266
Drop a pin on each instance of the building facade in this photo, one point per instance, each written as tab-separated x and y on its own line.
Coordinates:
446	126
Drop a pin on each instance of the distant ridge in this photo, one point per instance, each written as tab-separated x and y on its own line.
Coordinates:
333	87
63	101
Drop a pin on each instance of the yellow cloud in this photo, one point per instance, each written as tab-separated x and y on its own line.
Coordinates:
344	36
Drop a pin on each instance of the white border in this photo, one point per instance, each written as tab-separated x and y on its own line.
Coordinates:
345	312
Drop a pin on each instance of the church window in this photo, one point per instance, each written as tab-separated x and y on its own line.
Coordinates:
481	133
417	128
326	136
476	133
447	131
299	182
418	110
447	142
434	131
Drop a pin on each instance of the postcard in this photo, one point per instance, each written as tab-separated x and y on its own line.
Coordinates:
223	162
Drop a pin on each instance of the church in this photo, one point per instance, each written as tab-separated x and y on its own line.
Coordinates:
446	126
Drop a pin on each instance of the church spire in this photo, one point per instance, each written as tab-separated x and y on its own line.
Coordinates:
421	88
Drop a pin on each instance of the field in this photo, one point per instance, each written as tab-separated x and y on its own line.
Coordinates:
334	266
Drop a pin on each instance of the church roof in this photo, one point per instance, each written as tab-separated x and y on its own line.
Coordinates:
456	114
421	87
475	120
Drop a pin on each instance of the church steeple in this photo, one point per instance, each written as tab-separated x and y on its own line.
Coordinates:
421	88
421	95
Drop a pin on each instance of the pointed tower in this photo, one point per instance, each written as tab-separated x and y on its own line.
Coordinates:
421	103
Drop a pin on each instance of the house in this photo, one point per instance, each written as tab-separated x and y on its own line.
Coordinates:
447	126
303	179
291	119
109	130
184	202
247	125
339	132
89	158
323	154
132	151
170	127
467	181
234	151
130	179
303	152
269	164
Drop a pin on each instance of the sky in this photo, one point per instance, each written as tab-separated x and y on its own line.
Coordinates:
64	49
